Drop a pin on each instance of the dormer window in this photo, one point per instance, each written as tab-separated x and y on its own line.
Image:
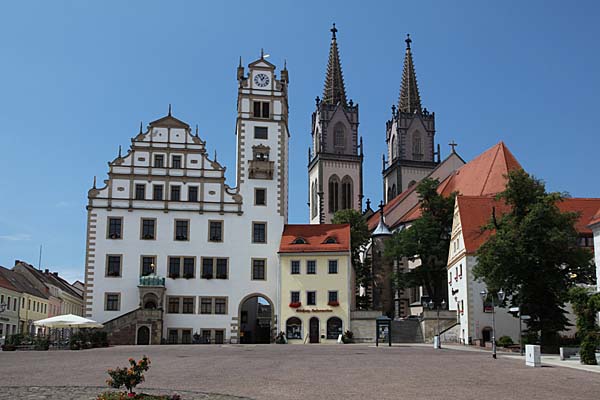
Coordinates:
299	240
330	240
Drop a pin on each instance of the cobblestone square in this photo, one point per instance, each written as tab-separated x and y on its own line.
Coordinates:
295	372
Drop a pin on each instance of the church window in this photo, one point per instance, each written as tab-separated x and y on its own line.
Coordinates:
260	197
346	193
389	194
193	193
334	185
339	137
259	232
334	328
157	192
261	109
293	328
215	231
261	132
112	301
394	148
417	146
313	196
148	229
159	161
182	229
115	227
259	267
176	162
113	265
175	193
148	263
393	190
140	191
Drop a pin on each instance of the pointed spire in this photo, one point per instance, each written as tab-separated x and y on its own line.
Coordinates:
409	100
334	91
382	229
240	64
169	109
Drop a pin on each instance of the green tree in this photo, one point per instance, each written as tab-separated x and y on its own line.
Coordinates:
586	305
427	240
533	255
359	237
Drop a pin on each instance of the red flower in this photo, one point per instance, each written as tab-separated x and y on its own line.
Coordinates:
333	303
295	304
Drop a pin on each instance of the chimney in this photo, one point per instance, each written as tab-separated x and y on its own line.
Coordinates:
55	274
46	271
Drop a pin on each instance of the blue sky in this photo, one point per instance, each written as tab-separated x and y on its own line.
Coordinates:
77	77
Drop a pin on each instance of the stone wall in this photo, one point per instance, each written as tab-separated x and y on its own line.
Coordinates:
363	325
123	330
447	321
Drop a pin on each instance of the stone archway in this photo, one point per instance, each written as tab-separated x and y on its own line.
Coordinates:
256	319
143	335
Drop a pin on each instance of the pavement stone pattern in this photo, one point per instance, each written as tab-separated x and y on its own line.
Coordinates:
91	393
317	372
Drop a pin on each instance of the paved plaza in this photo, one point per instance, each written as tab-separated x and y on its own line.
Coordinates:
296	372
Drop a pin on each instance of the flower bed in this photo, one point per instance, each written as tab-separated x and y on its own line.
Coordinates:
333	303
141	396
295	304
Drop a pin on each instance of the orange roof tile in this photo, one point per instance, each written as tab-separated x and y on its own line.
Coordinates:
484	175
595	219
476	211
315	236
587	208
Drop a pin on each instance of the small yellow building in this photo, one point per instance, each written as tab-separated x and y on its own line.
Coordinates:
316	283
34	303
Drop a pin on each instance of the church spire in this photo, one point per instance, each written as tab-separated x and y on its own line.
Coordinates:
334	90
409	100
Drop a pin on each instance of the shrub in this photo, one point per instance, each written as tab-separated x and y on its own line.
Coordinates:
348	337
41	343
280	338
505	341
587	351
129	377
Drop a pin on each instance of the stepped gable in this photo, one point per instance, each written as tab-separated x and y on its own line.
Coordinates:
315	237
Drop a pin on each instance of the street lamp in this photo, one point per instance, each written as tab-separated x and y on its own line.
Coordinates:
501	296
441	305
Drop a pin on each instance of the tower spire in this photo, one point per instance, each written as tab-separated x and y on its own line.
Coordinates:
409	100
334	91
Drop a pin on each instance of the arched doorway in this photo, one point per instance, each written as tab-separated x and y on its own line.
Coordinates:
256	319
313	330
143	335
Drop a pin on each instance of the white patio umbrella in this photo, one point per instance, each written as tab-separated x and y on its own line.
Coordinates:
68	321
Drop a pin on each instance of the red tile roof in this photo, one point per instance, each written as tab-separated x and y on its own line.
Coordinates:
587	208
484	175
595	219
476	211
5	283
315	237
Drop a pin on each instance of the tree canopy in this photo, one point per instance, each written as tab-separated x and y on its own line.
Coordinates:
427	239
533	255
359	237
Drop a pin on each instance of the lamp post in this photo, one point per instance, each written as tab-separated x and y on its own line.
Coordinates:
441	305
501	295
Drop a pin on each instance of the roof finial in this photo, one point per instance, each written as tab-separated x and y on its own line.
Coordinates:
215	155
285	63
240	64
368	203
333	31
169	109
262	53
119	151
196	130
408	41
94	186
141	125
453	144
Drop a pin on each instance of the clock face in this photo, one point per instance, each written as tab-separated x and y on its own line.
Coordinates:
261	80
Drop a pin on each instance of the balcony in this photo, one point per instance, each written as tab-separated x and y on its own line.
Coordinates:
152	280
261	169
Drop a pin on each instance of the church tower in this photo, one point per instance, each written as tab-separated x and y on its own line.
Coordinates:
409	136
335	160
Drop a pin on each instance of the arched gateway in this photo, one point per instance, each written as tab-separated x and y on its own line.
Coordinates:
256	319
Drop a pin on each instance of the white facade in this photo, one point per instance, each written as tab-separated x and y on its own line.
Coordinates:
168	153
596	231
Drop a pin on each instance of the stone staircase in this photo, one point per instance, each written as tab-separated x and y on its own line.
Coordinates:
122	330
407	331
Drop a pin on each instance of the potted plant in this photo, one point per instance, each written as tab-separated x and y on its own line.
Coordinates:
333	303
295	304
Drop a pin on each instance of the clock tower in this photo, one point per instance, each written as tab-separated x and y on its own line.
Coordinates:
262	139
335	160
